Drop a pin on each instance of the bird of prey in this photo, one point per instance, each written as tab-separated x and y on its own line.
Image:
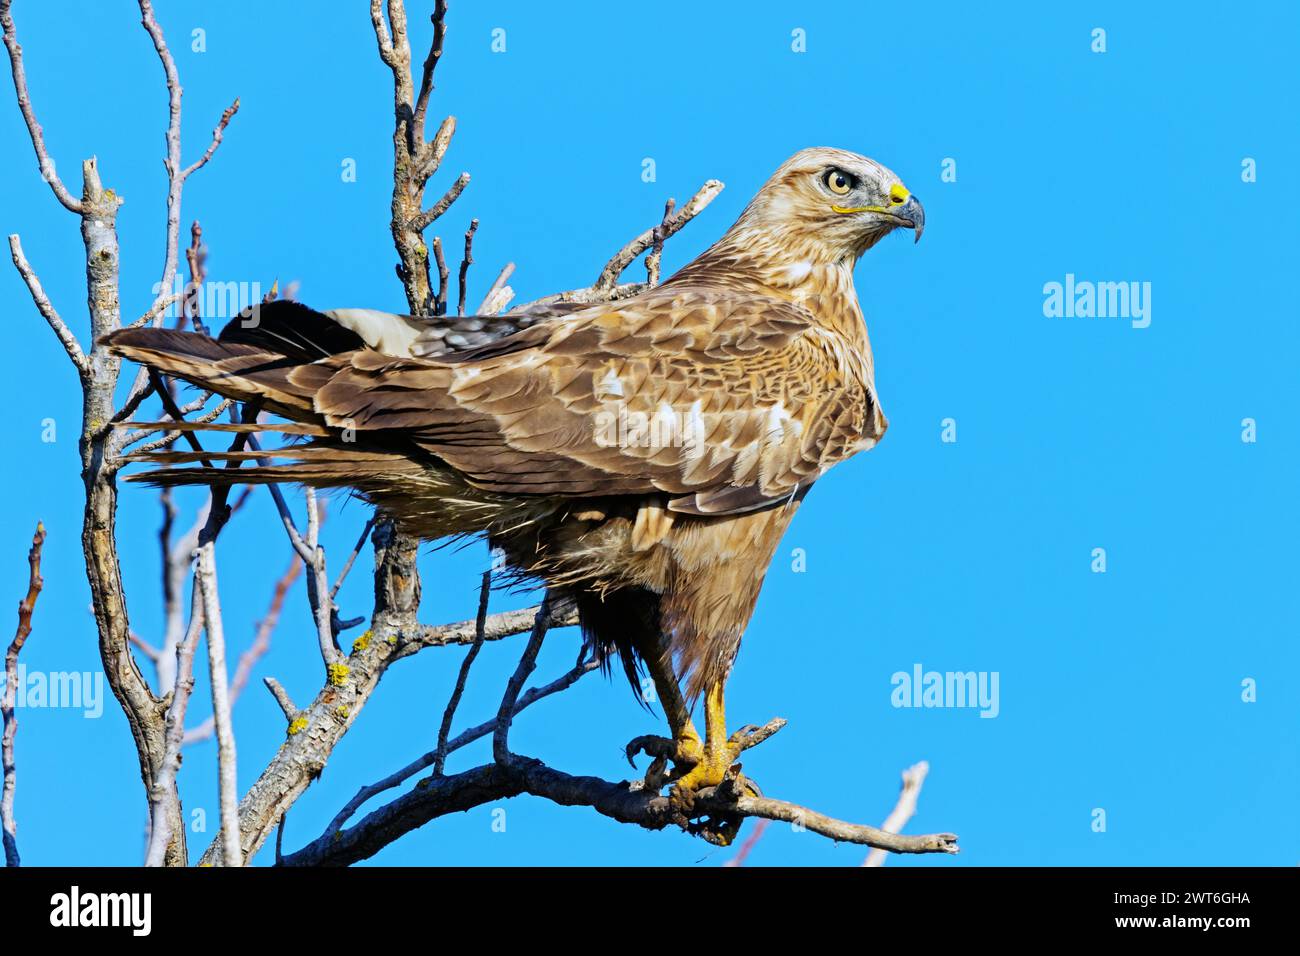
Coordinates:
642	457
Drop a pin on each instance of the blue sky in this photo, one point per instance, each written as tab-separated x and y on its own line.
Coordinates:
1119	690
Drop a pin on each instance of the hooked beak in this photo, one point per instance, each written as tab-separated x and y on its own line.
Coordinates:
911	215
904	210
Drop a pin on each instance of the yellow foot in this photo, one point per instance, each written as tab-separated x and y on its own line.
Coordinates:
710	769
719	756
696	766
718	772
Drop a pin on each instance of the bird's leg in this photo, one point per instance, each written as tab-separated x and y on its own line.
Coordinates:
721	751
719	754
684	749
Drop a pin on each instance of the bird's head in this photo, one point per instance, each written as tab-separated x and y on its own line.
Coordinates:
832	205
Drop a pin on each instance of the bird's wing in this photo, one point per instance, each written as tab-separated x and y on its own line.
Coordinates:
726	401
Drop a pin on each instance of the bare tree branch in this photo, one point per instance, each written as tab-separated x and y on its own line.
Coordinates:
317	728
463	739
318	585
414	161
913	779
144	647
430	64
261	644
347	565
432	157
625	802
440	303
159	835
480	623
426	218
669	227
176	175
527	661
500	294
319	595
657	249
34	131
505	624
45	307
751	841
281	696
587	295
217	133
206	576
465	263
8	820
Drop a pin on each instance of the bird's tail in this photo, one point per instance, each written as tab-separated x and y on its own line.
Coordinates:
270	367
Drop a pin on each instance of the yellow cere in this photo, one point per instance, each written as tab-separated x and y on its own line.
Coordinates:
897	196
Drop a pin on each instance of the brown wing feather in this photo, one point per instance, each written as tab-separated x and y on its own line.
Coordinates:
726	401
730	401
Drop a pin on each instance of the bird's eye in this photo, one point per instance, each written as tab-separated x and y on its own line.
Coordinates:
839	182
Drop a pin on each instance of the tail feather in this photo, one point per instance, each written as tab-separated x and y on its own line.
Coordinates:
317	475
242	428
233	369
300	453
280	357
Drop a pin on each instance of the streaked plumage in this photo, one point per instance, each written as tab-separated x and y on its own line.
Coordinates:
644	456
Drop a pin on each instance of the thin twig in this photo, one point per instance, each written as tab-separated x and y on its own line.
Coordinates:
196	257
217	133
227	788
282	698
440	304
480	624
45	307
465	263
527	661
8	819
608	277
461	740
318	585
261	644
319	595
433	154
176	175
160	833
499	296
438	17
751	841
657	250
347	565
169	437
913	779
144	647
43	160
428	216
206	577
